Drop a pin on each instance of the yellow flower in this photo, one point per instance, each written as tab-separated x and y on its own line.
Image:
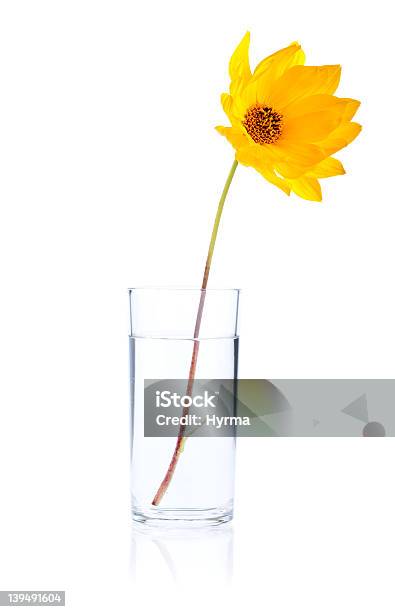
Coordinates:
285	121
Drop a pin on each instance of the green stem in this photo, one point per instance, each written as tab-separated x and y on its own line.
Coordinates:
192	370
217	222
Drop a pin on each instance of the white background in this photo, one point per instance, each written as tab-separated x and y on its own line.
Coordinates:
110	171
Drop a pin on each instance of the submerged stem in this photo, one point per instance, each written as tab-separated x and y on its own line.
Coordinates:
192	370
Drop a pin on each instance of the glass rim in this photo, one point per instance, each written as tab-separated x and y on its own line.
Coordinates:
171	288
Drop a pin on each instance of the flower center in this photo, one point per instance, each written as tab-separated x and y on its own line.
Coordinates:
263	124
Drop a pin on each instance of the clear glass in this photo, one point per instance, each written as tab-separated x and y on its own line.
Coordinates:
161	345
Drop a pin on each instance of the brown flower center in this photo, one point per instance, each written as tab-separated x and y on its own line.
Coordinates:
263	124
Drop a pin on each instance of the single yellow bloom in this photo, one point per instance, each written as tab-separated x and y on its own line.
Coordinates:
285	121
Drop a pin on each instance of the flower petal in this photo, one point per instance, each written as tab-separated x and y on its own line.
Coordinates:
249	96
307	188
311	128
273	67
252	156
269	174
326	168
239	65
351	109
293	159
340	137
302	81
229	108
315	126
235	136
277	63
321	102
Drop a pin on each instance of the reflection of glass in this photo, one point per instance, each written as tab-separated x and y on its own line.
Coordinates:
186	557
161	346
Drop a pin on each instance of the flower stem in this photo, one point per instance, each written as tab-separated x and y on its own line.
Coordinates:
192	370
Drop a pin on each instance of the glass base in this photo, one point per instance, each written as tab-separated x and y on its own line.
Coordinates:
182	517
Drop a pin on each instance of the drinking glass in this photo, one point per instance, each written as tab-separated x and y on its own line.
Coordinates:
162	341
